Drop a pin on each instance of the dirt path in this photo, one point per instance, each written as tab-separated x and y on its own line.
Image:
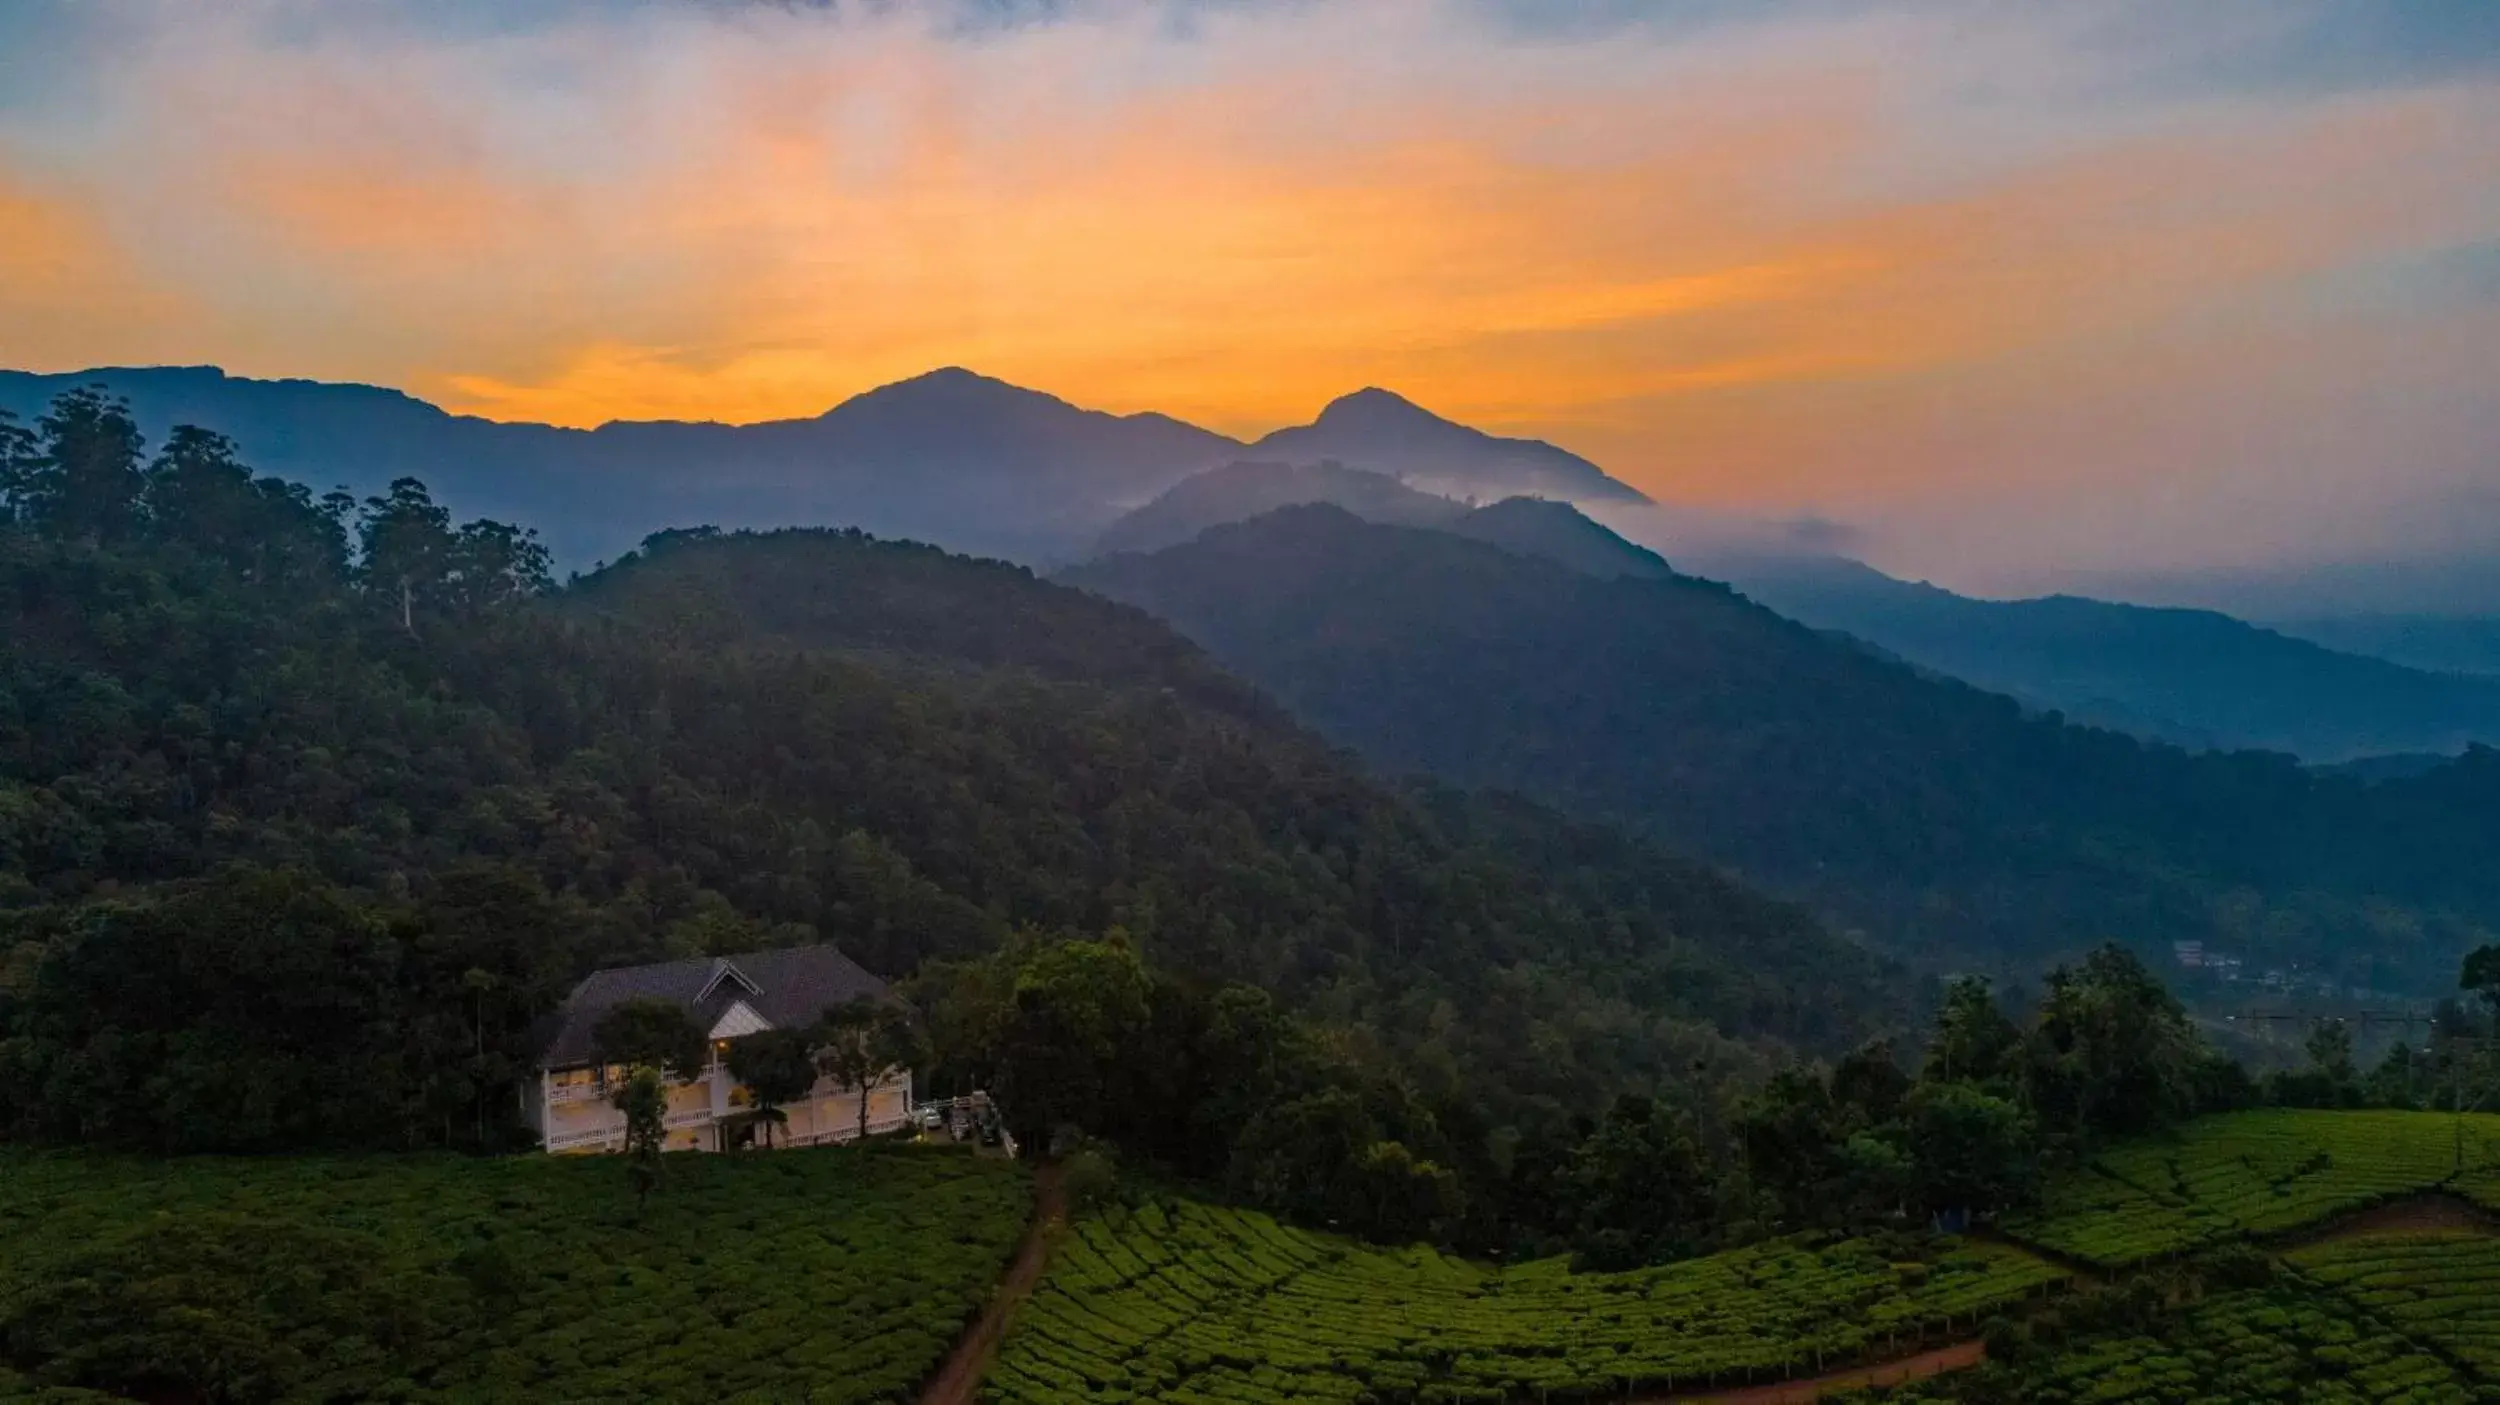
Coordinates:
1792	1392
958	1382
2415	1215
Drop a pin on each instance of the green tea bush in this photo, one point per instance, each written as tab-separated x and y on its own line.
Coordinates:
2441	1288
1179	1301
838	1275
2242	1174
2285	1342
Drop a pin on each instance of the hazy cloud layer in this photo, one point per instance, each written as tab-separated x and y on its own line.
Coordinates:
2013	291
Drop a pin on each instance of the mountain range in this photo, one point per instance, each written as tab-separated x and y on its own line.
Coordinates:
1947	822
981	466
950	457
2195	678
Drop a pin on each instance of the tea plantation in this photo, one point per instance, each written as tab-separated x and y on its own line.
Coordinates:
844	1275
819	1275
2260	1173
2439	1288
1172	1300
1179	1301
2280	1342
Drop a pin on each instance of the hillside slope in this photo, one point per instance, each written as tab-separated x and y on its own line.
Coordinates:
731	742
1240	491
1560	533
1940	817
2192	677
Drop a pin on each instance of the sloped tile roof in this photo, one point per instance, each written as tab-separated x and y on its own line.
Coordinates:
790	987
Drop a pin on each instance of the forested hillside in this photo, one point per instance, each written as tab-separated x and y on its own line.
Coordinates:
1940	818
308	810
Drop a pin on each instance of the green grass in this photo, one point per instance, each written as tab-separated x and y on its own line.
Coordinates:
2441	1287
818	1275
1186	1302
2248	1174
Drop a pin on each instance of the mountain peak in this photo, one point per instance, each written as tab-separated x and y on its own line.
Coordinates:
1373	406
947	385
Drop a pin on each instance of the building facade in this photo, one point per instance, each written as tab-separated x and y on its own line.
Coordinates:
727	997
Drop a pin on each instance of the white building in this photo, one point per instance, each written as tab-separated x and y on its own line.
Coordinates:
727	997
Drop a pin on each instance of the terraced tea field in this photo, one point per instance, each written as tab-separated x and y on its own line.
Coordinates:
840	1274
1185	1302
2257	1174
2440	1288
2285	1343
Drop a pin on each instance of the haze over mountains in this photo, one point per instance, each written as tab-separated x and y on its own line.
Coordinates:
2194	678
1939	818
950	457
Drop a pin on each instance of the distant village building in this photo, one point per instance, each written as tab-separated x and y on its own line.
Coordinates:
728	997
2190	954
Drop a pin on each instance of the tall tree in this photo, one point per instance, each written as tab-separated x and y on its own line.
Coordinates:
1973	1038
896	1043
862	1042
19	457
2329	1047
88	483
778	1067
643	1098
2480	976
495	564
2113	1052
407	548
1641	1191
1969	1152
1071	1031
200	493
651	1033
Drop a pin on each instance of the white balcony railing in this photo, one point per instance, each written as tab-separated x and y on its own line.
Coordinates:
596	1136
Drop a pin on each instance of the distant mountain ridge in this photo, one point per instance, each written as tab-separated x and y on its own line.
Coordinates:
952	457
2193	677
2437	643
1387	433
1242	490
1526	526
2190	677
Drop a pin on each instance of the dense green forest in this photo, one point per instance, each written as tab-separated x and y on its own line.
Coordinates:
310	808
1943	821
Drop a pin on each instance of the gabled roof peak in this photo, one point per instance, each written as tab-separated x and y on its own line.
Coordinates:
724	969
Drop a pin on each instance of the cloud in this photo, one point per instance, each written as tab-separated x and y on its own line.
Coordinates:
2121	283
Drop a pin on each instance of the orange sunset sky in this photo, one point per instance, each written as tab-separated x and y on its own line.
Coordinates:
2106	286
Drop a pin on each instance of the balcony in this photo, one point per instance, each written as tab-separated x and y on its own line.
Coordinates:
595	1136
